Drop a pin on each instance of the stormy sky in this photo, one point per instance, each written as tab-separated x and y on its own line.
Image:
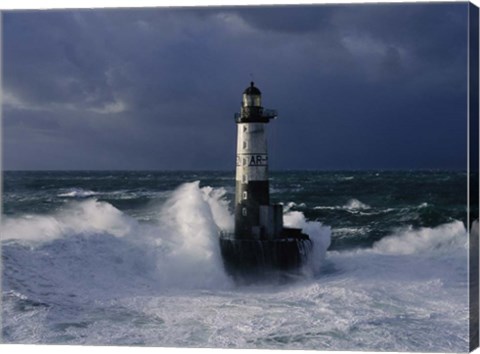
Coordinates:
356	86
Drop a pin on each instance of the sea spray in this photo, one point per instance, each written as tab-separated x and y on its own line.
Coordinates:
96	286
446	237
91	240
178	248
410	256
86	217
187	224
352	205
77	193
319	234
219	205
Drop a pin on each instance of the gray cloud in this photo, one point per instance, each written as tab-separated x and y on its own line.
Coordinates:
363	86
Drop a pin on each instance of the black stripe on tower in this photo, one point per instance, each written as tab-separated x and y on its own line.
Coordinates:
255	115
249	197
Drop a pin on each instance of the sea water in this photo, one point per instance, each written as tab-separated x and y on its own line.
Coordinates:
132	258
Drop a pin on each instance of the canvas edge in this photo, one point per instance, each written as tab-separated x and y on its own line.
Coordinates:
1	169
473	173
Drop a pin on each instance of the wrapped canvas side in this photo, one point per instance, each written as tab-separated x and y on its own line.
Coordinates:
473	117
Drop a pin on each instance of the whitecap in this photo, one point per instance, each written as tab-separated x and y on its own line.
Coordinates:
77	193
425	239
319	234
352	205
177	248
355	204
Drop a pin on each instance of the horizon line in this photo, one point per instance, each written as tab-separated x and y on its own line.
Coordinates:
233	170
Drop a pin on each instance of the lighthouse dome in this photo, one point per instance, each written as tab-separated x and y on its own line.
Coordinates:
252	90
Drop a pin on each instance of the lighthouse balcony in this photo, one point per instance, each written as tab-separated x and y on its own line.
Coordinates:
255	114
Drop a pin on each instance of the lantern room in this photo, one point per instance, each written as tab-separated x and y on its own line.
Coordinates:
252	97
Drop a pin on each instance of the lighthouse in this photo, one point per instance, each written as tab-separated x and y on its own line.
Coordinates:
259	242
251	178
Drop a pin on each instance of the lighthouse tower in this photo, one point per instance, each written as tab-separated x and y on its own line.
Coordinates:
252	191
259	242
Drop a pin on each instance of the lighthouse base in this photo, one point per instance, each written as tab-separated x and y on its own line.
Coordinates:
250	258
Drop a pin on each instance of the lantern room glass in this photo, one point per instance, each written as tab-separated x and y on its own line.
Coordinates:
251	100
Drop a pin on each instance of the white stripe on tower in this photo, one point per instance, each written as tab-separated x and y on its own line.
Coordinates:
252	158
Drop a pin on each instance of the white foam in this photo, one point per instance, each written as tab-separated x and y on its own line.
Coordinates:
291	205
161	284
351	230
352	205
409	240
355	204
179	248
85	217
319	234
31	227
77	193
215	197
188	228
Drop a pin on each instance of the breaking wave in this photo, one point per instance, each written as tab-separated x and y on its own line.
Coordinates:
409	241
90	244
77	193
319	234
351	205
86	273
91	239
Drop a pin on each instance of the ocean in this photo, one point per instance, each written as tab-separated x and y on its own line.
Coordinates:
132	258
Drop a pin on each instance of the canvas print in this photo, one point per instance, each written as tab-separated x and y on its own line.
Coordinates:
263	177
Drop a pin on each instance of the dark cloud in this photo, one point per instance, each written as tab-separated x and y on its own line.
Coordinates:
357	86
295	19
